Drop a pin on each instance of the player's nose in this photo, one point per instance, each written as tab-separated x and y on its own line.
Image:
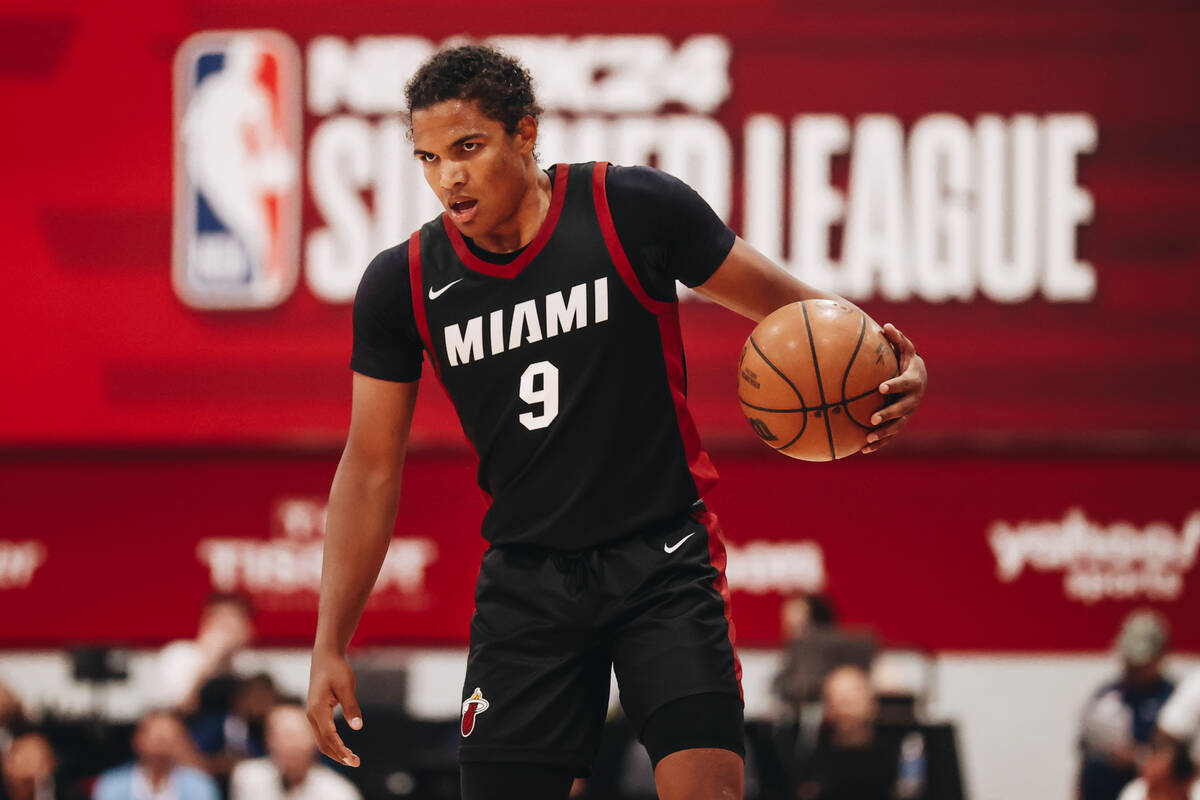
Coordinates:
452	175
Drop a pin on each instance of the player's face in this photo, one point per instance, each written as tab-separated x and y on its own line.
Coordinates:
478	170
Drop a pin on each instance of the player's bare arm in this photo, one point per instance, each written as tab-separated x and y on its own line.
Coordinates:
752	285
361	516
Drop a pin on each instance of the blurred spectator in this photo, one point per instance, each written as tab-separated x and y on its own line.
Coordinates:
800	677
291	772
815	647
1169	773
28	769
161	747
850	762
225	738
187	667
801	612
1118	721
12	717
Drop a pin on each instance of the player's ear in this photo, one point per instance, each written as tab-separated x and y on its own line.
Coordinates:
527	130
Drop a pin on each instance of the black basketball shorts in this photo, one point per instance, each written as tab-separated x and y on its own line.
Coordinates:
549	627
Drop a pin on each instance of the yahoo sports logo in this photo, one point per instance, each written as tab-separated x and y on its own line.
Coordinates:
237	169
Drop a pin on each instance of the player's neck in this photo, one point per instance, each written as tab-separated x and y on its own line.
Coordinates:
519	229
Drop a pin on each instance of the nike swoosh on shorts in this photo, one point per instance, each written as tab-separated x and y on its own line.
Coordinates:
671	548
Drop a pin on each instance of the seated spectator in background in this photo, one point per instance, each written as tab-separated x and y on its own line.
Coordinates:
28	769
226	737
1170	772
850	762
800	615
291	772
189	669
815	647
161	748
1118	721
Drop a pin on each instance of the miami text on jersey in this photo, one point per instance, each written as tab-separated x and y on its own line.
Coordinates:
526	321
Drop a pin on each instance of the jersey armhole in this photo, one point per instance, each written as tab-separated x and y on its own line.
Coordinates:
613	242
418	298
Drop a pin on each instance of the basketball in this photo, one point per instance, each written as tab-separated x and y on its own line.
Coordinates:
808	379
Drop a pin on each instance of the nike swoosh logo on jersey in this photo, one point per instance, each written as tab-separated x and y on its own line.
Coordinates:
434	295
671	548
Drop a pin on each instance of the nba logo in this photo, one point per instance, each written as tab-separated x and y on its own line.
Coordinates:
237	169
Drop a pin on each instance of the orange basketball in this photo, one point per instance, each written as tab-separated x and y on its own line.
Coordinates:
808	379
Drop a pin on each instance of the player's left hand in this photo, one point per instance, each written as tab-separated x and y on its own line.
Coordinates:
909	385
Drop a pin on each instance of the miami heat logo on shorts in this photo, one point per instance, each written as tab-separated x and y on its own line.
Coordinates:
472	707
237	169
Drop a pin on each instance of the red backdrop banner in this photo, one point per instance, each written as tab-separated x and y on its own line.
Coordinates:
1014	187
1010	555
192	191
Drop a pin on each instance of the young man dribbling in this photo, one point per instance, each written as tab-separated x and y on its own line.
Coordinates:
544	301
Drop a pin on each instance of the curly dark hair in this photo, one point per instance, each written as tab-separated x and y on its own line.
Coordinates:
498	82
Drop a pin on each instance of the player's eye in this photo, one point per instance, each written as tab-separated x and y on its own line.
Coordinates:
427	158
470	146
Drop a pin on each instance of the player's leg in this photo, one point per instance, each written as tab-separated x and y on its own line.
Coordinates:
700	774
674	658
536	687
695	744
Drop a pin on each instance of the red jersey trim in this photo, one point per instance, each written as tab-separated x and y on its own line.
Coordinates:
615	250
703	473
418	298
514	267
418	302
718	558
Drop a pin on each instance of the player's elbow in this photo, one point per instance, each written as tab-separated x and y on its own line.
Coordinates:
364	472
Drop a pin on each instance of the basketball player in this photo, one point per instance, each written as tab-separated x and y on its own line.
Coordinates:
544	301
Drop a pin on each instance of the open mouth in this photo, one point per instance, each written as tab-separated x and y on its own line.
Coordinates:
463	210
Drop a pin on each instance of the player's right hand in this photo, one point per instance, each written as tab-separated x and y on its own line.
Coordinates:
331	683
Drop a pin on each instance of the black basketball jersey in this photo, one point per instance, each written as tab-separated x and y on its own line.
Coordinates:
568	378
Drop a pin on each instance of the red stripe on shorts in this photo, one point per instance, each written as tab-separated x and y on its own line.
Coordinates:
716	555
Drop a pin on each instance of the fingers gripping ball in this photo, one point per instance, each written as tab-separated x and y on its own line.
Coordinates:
808	379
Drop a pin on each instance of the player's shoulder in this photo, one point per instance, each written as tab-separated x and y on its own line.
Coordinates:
391	263
642	181
386	274
394	257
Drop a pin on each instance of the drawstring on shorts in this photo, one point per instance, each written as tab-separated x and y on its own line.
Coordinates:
574	567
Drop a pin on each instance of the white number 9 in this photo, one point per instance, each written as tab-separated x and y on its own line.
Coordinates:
547	394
